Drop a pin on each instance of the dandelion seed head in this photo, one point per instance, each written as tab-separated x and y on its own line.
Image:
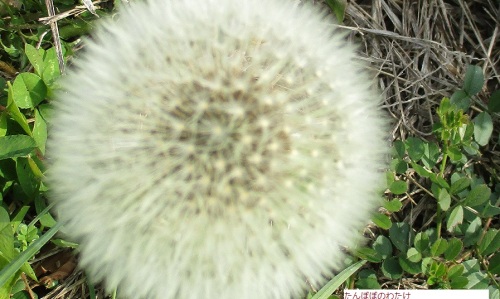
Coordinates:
227	149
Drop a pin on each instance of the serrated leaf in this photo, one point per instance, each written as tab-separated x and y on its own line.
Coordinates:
454	248
494	102
455	218
415	148
391	268
483	128
383	246
398	187
382	221
478	195
444	199
490	242
474	80
13	146
439	247
393	205
29	90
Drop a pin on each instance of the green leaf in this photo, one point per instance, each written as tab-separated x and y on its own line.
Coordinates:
28	181
455	218
439	247
454	248
444	199
459	185
382	221
35	58
338	8
368	254
431	155
454	153
29	90
21	261
415	148
391	268
382	246
393	205
13	146
478	195
339	279
494	102
40	131
3	123
473	232
474	80
483	128
455	270
400	235
408	266
413	255
490	242
400	149
494	266
14	111
367	279
422	242
398	187
461	100
459	282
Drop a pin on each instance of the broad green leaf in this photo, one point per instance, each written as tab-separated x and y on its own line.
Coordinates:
28	181
454	153
408	266
474	80
461	100
494	102
473	232
439	247
391	268
420	170
40	131
14	111
422	242
494	266
383	246
459	282
477	281
50	67
431	155
382	221
454	248
413	255
455	270
398	187
444	199
399	166
478	195
399	148
415	148
455	218
367	279
459	185
29	90
339	279
13	146
393	205
490	242
400	235
368	254
483	128
35	58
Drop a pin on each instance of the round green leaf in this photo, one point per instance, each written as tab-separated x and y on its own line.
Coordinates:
393	205
382	221
461	100
474	80
408	266
494	266
400	235
367	279
383	246
459	185
483	128
398	187
455	218
444	199
455	270
415	148
478	195
494	102
391	268
421	242
413	255
439	247
454	248
29	90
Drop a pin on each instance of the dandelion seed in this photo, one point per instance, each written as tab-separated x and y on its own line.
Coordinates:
188	127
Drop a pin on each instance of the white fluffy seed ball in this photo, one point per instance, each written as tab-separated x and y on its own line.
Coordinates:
215	149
